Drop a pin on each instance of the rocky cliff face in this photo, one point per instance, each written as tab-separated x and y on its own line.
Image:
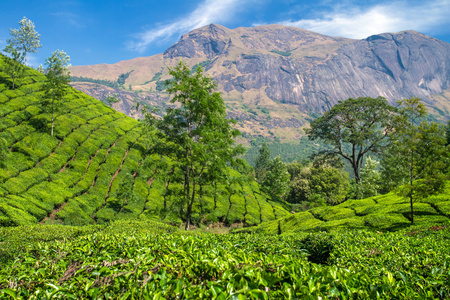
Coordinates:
273	59
293	72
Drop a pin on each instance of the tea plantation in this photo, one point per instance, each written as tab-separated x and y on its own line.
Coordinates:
67	233
384	212
81	174
147	260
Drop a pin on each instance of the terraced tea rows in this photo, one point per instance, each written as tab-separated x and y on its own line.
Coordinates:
95	168
384	212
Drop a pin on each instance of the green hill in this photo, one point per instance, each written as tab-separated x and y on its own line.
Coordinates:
94	169
384	212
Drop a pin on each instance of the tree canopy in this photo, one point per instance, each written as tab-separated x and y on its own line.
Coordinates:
201	139
14	64
353	128
417	159
25	39
57	79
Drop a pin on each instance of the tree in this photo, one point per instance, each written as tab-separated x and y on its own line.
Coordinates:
353	128
447	133
370	179
111	99
57	79
318	183
25	39
276	182
262	163
418	152
14	65
198	136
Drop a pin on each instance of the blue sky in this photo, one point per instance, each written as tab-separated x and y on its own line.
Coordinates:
93	31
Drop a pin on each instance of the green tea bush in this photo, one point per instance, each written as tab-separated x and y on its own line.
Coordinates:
24	181
386	221
319	247
29	205
329	213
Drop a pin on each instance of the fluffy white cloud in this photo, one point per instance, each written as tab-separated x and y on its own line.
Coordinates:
209	11
361	22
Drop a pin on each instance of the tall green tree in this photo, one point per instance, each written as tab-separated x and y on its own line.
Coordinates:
14	64
320	182
276	182
418	153
447	133
262	163
370	179
25	39
354	128
58	76
199	137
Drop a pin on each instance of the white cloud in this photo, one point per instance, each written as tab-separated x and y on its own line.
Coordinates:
209	11
69	17
360	22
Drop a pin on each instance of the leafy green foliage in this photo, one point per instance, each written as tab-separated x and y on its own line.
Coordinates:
262	163
57	80
109	83
383	212
111	99
123	77
25	39
14	65
200	137
283	53
418	157
360	125
276	182
131	259
94	168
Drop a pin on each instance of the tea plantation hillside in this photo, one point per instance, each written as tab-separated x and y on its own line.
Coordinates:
388	212
147	260
94	169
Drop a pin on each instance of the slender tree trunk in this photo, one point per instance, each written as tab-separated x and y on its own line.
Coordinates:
215	195
53	103
188	216
190	204
356	172
411	174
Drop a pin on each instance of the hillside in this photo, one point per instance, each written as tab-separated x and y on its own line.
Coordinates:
94	170
388	212
275	79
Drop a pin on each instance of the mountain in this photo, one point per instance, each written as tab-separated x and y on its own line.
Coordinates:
96	169
275	79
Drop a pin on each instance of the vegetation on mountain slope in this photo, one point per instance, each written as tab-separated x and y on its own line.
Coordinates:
94	168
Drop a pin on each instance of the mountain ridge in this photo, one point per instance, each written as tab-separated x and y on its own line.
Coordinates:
292	73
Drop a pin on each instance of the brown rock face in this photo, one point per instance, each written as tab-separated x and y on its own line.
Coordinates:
297	72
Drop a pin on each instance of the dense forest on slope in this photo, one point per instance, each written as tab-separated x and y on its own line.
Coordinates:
94	169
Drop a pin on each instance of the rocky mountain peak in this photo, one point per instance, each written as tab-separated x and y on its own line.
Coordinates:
291	72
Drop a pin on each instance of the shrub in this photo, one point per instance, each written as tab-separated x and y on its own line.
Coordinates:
319	247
